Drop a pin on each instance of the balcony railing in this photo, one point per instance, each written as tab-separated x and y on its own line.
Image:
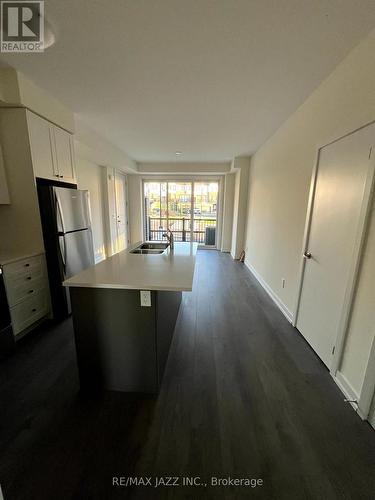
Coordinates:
181	229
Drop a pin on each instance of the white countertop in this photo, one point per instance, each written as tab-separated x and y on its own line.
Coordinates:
172	270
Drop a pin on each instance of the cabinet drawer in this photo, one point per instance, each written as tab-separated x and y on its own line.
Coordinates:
23	287
15	281
29	311
31	267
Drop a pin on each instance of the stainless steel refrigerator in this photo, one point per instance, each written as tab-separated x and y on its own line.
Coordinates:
67	234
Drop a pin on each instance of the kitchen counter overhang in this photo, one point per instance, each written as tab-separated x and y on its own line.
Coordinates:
172	270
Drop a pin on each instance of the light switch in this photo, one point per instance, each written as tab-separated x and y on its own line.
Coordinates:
145	298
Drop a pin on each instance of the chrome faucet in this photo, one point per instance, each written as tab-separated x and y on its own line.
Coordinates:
169	235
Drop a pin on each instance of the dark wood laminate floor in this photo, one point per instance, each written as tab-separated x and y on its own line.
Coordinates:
243	396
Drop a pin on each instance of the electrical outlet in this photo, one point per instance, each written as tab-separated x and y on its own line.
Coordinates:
145	298
283	282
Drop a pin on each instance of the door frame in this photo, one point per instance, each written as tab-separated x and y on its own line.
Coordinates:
117	173
109	207
192	180
367	200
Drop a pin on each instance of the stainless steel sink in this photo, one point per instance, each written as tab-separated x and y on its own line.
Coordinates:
154	246
146	251
150	248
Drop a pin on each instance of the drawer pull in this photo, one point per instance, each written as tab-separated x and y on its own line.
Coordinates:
33	310
30	291
27	265
28	278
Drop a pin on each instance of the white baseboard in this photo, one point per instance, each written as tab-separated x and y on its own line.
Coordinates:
348	391
271	293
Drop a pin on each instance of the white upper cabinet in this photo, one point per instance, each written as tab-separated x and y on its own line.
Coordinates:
51	149
64	154
42	147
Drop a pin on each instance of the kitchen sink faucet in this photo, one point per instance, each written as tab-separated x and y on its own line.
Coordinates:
169	235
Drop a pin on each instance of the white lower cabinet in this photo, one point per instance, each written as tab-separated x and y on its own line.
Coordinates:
28	312
24	288
27	292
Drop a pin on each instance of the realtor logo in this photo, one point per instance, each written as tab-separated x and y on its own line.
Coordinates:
22	26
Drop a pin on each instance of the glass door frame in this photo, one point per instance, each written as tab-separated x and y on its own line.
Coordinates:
192	180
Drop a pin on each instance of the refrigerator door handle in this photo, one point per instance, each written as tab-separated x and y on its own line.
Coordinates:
63	251
60	219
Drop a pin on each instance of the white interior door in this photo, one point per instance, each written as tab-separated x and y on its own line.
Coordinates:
121	218
336	220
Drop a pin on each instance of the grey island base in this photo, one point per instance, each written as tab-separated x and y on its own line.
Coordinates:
122	345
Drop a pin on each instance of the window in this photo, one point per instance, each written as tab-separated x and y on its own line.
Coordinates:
189	209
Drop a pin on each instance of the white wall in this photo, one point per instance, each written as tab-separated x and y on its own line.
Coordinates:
9	89
226	240
236	197
18	90
90	176
135	208
241	167
278	192
93	147
41	102
187	168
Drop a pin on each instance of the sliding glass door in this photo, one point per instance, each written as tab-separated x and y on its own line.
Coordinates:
188	209
205	212
155	209
179	208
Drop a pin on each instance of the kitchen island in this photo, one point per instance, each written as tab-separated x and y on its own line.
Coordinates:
124	314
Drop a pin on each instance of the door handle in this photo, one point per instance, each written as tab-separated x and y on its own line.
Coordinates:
307	255
63	252
60	215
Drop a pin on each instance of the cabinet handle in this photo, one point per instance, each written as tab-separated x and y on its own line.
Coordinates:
61	176
33	310
56	175
27	265
30	291
28	278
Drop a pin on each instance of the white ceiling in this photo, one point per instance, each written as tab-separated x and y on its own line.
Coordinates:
210	78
